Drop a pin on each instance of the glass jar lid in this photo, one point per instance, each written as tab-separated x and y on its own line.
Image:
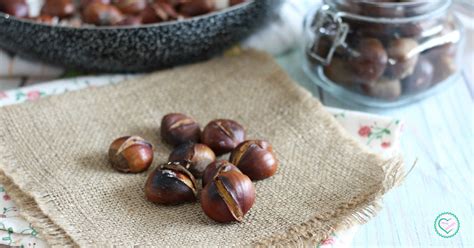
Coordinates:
386	11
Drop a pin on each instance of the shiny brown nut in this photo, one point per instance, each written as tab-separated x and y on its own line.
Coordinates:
171	184
223	135
195	7
102	14
84	3
228	196
131	154
402	58
197	156
17	8
158	11
387	89
339	72
421	77
131	7
255	158
130	21
369	60
444	67
59	8
212	169
177	129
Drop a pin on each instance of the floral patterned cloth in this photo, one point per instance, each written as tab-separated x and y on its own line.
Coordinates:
381	134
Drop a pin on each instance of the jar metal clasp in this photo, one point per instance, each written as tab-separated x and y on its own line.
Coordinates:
329	25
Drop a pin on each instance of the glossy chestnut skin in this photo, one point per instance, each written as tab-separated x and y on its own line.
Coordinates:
17	8
195	7
197	156
130	21
158	11
131	154
421	77
211	170
102	14
402	58
228	197
384	88
131	7
171	184
255	158
59	8
84	3
223	135
339	71
177	129
369	60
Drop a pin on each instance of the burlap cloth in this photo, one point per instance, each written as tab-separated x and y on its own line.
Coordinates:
53	160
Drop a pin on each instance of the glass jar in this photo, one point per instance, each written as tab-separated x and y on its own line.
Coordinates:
382	53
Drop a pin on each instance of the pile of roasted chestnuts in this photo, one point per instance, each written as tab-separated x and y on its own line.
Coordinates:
113	12
389	50
227	191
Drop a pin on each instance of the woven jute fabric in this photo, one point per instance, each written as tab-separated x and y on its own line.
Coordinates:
53	160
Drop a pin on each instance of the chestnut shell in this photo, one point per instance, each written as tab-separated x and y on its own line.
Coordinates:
170	184
255	158
198	157
223	135
228	197
131	154
177	128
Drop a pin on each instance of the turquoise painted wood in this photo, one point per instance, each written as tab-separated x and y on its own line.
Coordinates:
438	132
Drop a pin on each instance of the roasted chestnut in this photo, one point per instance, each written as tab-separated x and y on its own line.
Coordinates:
59	8
130	21
223	135
195	7
212	169
131	154
228	196
368	60
340	72
255	158
102	14
17	8
84	3
171	184
131	7
421	77
402	58
198	156
384	88
178	128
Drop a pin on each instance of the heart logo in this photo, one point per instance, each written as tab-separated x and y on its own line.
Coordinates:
447	225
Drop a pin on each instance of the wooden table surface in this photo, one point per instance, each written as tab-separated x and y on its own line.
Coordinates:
438	133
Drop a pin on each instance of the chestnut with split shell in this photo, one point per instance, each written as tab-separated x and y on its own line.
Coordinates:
255	158
178	128
216	166
131	154
171	184
197	156
228	197
223	135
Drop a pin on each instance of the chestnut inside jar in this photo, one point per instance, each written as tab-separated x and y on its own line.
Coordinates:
114	12
384	53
